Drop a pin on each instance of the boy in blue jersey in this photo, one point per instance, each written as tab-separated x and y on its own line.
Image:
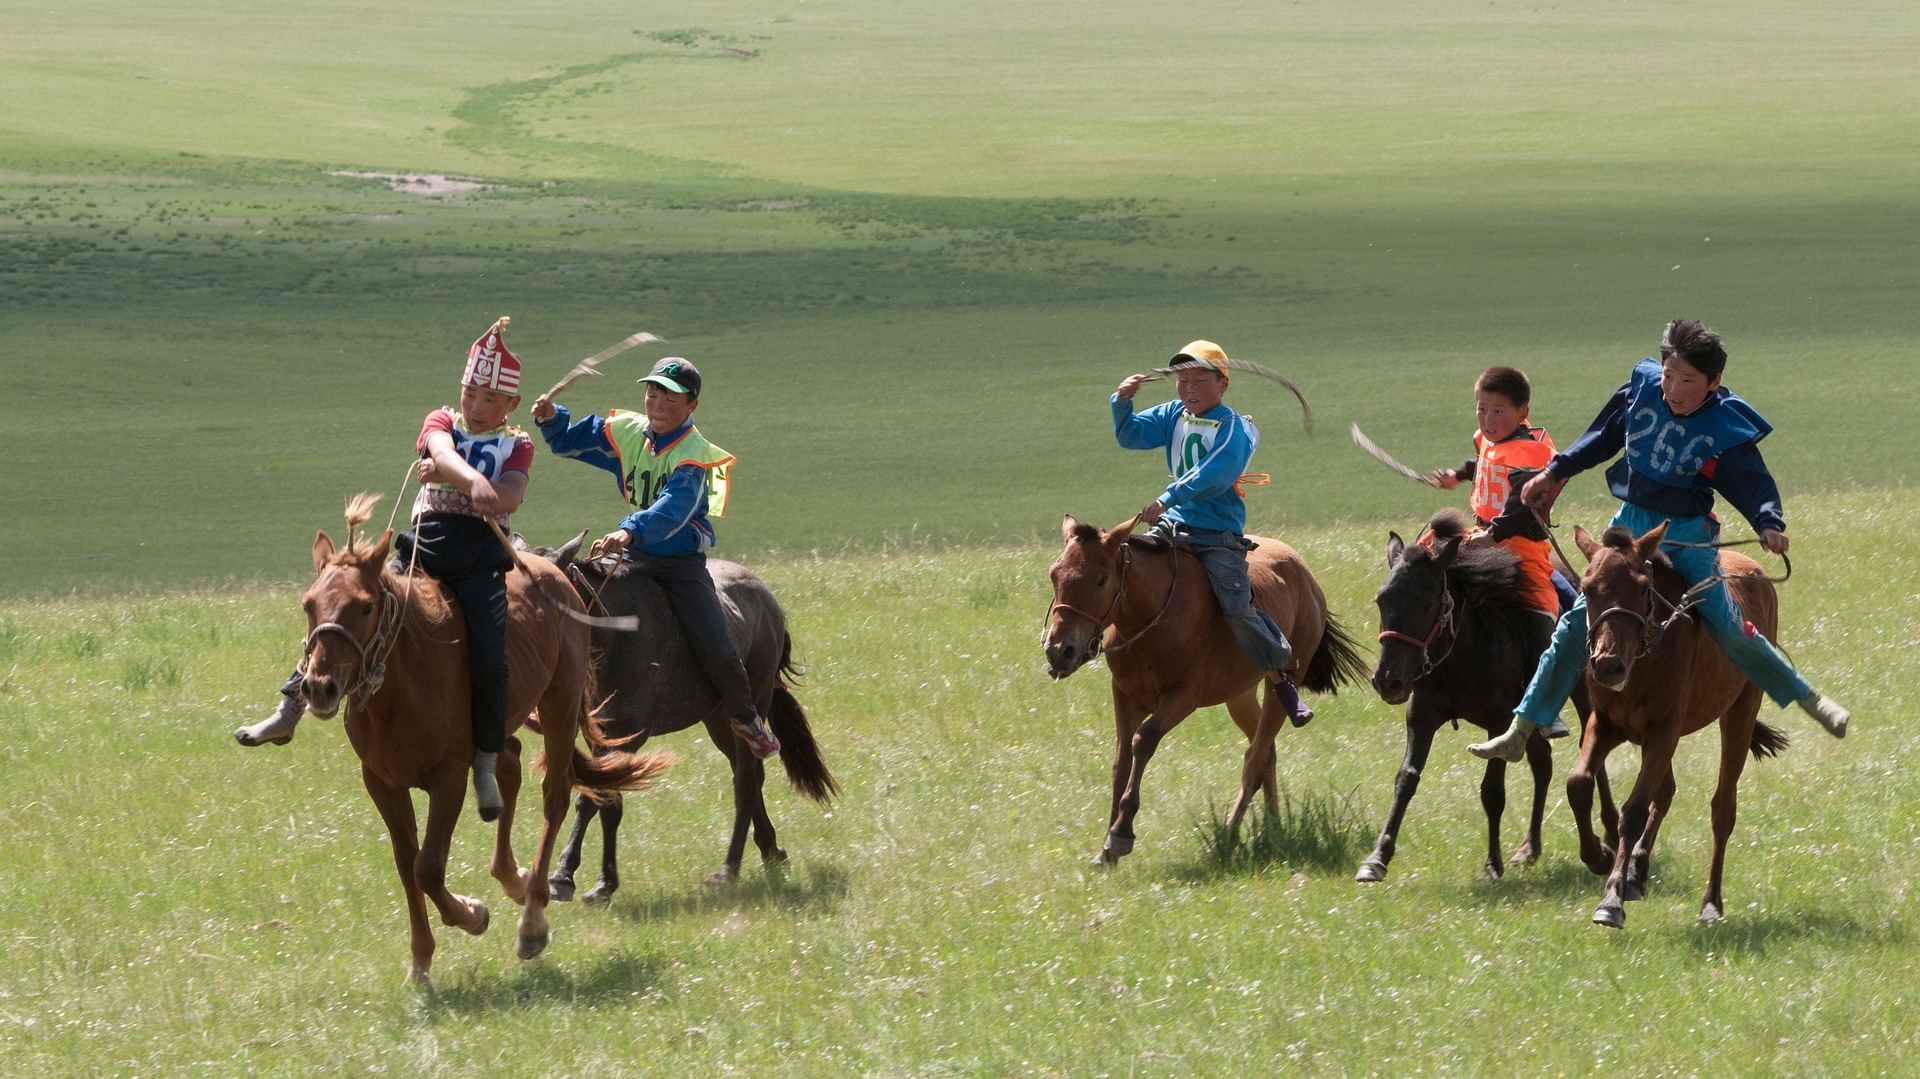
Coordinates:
1682	437
673	477
1208	446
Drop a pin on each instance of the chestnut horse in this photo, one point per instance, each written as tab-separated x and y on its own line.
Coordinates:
1457	642
1170	651
1656	676
392	647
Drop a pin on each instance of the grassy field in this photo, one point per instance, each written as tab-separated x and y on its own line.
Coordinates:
913	246
182	905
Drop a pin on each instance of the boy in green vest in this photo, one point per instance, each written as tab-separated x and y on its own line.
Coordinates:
674	478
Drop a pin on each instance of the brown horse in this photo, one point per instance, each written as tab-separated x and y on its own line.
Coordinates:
1655	676
1170	651
391	646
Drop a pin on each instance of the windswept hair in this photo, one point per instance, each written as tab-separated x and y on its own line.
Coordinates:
1509	382
1691	342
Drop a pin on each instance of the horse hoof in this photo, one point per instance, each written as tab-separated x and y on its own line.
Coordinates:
561	889
776	856
1493	870
726	874
1709	914
1371	872
486	919
1610	915
526	946
1528	854
599	896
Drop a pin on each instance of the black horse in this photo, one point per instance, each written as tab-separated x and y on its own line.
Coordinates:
1457	642
657	687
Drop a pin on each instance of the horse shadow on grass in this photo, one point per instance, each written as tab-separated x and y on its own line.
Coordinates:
615	975
819	890
1319	833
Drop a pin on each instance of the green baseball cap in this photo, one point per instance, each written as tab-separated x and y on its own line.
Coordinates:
676	374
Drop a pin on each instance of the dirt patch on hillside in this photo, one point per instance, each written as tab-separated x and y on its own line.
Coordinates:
426	184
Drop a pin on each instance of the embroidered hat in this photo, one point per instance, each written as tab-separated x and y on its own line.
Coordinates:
676	374
489	365
1203	352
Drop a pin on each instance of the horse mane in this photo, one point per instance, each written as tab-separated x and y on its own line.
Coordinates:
1488	577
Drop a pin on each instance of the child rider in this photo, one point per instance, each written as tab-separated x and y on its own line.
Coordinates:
673	477
1684	437
1208	447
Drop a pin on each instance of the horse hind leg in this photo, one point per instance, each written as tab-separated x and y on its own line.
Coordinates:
1257	771
1736	739
561	882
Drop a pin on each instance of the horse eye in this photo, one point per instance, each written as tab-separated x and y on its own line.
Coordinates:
366	608
1102	582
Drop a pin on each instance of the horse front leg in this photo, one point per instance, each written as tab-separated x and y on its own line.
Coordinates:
505	867
1736	741
444	800
1640	868
396	812
1127	717
1540	763
1588	772
1257	765
1420	732
1146	740
1656	767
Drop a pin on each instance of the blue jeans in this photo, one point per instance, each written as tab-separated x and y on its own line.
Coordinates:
1754	656
1224	556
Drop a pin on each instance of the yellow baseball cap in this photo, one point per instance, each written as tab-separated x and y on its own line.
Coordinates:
1203	352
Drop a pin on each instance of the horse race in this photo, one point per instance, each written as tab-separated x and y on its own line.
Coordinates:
1355	539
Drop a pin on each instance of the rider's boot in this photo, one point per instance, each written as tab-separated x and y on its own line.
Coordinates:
1297	711
486	792
1826	712
759	738
1509	747
277	728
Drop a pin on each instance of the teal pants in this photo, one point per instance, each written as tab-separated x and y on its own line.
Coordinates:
1754	656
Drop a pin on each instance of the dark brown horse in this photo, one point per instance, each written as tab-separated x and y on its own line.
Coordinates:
655	687
392	648
1656	676
1457	642
1170	651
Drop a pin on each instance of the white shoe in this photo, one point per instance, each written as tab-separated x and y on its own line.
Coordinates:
1510	747
1826	712
276	729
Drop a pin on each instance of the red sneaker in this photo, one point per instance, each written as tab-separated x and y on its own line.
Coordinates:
757	737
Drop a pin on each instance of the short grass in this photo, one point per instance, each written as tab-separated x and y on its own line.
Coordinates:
181	905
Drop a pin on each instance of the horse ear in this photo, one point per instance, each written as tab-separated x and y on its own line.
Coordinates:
1067	525
1443	554
1395	547
379	553
1649	545
1119	535
1584	540
568	551
322	550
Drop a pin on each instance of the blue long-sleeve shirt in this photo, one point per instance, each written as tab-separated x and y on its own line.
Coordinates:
675	523
1737	472
1202	493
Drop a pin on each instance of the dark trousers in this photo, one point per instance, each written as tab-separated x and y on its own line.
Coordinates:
465	554
696	606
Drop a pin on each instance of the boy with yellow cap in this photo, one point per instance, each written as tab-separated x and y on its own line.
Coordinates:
1208	447
673	478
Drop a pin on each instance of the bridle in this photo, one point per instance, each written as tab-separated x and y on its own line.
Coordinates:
1441	623
1652	633
1103	621
372	652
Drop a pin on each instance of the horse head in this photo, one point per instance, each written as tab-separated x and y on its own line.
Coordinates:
1087	586
1415	608
1619	584
347	608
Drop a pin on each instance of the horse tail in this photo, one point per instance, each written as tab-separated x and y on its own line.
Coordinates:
618	770
799	753
1337	662
1767	742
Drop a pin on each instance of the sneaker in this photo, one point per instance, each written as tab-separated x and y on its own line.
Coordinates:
757	737
1510	747
276	729
1558	730
486	791
1826	712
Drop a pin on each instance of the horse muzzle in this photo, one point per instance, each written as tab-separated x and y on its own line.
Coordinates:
1609	672
322	694
1065	656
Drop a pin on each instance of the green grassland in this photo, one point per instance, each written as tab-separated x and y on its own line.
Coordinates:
180	905
904	239
913	246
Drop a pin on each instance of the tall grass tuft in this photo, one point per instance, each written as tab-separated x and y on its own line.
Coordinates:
1320	830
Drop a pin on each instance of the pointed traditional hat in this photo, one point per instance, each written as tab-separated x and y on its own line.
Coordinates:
489	365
